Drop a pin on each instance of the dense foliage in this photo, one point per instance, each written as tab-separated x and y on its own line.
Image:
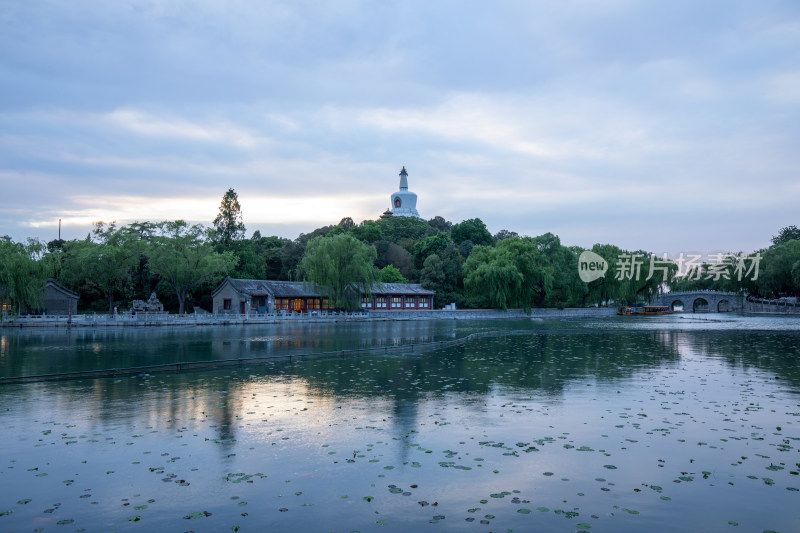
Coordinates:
772	272
23	273
336	261
462	262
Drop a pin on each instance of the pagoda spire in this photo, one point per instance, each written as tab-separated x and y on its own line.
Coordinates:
403	179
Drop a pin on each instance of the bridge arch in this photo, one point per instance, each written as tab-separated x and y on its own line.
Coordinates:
677	305
700	305
702	300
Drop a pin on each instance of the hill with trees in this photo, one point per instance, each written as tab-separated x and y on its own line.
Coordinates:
461	261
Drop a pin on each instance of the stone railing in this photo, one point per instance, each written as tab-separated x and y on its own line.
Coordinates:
761	305
167	319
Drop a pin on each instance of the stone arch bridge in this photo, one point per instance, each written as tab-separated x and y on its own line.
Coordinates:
702	301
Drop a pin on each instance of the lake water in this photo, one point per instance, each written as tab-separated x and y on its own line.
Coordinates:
674	423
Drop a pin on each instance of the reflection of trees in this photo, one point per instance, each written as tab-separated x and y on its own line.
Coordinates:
774	352
34	352
173	401
542	362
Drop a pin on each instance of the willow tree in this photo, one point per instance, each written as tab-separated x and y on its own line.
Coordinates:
491	277
22	273
184	259
336	261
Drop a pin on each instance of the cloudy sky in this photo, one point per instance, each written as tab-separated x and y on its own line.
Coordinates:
667	126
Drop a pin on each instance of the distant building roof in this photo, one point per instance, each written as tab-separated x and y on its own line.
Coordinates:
397	288
308	289
56	286
277	289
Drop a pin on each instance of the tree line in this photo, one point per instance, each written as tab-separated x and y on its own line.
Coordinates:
775	275
463	262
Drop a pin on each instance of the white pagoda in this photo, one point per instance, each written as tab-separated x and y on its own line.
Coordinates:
404	202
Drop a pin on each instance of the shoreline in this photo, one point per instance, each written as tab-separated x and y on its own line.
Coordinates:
166	320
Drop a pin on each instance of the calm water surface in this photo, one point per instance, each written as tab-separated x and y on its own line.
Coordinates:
620	424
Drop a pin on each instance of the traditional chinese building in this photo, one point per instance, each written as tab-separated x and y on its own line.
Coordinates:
393	297
260	296
56	300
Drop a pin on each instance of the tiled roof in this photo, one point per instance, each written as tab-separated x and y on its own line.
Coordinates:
308	289
399	288
278	289
295	289
62	289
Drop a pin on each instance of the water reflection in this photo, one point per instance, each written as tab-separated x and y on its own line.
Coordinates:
775	352
539	364
34	351
565	398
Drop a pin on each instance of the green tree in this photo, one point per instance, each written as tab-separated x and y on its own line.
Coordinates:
105	264
336	261
442	273
22	273
465	248
492	278
184	260
440	224
789	233
504	234
390	253
430	245
368	231
258	258
346	223
647	285
560	284
56	245
776	276
529	256
390	274
268	250
396	229
569	281
628	277
432	278
607	287
471	230
228	224
796	274
518	272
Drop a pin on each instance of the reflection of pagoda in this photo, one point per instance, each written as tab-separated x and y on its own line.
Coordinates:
404	202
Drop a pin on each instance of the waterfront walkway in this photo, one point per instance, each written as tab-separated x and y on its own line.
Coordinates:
209	319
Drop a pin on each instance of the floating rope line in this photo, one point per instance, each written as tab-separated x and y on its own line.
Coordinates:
248	361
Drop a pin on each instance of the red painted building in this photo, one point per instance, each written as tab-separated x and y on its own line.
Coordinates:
395	297
254	296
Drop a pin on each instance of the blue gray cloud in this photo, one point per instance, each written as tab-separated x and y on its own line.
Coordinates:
667	126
